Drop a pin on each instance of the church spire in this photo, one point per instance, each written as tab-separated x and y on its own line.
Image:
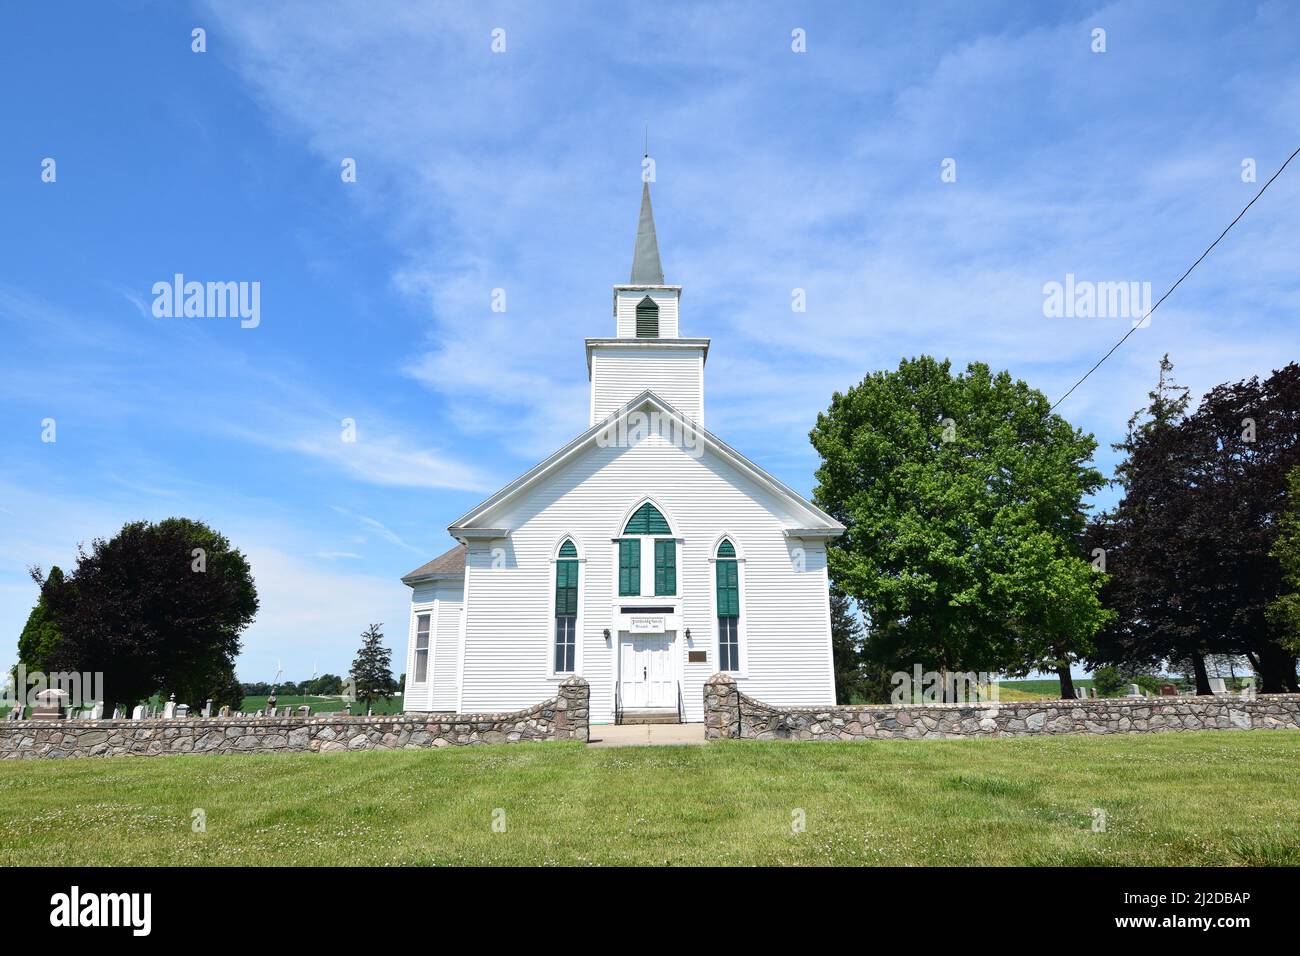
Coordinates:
646	269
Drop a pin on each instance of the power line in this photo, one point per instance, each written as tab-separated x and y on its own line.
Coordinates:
1138	325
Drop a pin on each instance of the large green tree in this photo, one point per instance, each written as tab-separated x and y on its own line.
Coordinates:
962	499
156	608
1284	610
1188	547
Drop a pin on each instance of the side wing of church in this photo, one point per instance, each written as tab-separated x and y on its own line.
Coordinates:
644	556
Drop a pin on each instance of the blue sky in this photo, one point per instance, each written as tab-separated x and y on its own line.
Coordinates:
521	170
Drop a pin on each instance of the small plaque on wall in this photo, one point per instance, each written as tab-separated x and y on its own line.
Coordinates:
697	657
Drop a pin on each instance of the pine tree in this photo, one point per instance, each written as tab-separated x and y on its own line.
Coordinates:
372	671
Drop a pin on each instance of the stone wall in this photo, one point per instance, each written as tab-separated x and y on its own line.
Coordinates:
730	714
563	717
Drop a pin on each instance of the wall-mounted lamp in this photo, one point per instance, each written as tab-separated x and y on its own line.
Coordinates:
688	633
606	633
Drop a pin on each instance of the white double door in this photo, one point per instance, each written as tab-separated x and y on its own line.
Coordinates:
647	678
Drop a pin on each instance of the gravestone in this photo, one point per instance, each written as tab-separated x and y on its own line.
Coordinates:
137	712
117	713
224	711
50	705
1168	690
304	710
1217	686
207	708
182	711
1092	693
1134	690
15	713
1080	693
97	712
169	708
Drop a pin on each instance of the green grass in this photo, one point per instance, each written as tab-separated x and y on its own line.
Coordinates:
1207	798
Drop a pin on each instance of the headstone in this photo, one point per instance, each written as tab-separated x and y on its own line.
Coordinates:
137	712
1134	690
97	712
1092	693
117	713
50	705
224	711
1168	690
304	710
169	710
207	708
1080	693
182	711
1217	686
15	712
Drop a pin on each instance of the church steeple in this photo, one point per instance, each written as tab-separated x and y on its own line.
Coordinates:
646	268
647	351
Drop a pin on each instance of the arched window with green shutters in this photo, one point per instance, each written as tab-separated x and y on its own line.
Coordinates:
647	523
727	581
647	520
566	608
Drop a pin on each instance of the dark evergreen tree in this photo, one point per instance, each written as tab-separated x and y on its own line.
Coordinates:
372	671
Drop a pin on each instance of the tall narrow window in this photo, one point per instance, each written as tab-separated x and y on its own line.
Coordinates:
566	608
629	566
728	588
421	648
665	567
647	319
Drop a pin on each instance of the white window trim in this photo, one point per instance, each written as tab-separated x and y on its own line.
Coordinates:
742	630
551	673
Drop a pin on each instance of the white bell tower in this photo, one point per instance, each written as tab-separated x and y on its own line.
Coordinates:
647	351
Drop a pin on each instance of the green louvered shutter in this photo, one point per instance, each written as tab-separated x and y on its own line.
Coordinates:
665	568
629	566
647	520
728	588
566	588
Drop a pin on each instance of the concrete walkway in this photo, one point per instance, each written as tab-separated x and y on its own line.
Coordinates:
645	735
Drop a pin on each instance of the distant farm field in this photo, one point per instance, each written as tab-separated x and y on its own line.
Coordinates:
1188	798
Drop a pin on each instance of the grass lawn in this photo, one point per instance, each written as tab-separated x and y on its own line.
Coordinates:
1050	689
1207	798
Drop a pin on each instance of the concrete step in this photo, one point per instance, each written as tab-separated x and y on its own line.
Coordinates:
650	717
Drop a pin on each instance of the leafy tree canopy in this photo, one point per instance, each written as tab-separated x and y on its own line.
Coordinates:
962	499
156	608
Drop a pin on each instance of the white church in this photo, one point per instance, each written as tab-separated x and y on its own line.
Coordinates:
644	556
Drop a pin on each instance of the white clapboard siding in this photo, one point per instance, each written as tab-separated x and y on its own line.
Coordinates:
508	627
442	601
446	651
424	600
625	311
620	374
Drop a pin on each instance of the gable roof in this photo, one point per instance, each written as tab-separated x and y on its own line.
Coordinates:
819	523
449	564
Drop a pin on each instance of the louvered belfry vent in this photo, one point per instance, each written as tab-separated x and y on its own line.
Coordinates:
647	319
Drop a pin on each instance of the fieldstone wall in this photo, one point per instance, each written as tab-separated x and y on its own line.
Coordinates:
731	714
563	717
